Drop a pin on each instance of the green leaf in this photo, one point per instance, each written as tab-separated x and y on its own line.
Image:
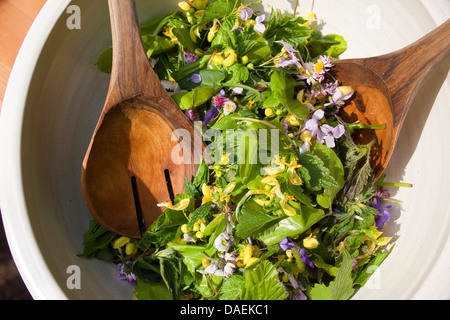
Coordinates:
253	220
184	37
96	239
248	156
320	291
232	288
199	213
212	78
343	283
164	229
336	170
262	283
371	267
314	172
194	98
202	176
219	9
152	290
239	73
104	61
189	188
283	87
155	45
291	226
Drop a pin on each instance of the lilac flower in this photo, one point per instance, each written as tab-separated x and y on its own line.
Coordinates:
340	95
190	57
312	125
123	275
288	244
237	27
245	12
383	213
188	238
332	133
210	115
260	27
291	53
195	78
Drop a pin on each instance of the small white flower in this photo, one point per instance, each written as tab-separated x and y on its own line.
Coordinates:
228	107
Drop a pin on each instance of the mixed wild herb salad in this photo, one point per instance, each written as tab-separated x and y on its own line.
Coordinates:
306	223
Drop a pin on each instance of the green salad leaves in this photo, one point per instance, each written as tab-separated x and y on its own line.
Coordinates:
284	204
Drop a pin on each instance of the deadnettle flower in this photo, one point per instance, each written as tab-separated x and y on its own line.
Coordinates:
224	240
331	133
123	275
190	57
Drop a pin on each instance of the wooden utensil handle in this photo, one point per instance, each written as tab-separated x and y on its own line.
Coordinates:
131	72
405	69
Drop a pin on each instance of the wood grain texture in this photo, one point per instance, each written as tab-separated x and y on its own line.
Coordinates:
386	87
133	139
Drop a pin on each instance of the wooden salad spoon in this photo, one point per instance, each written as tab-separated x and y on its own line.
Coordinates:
128	164
385	87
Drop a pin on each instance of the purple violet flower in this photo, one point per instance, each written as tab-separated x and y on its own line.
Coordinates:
246	12
260	27
288	244
210	115
290	51
196	78
383	213
312	125
332	133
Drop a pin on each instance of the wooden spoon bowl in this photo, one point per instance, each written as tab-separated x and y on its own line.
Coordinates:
385	87
129	167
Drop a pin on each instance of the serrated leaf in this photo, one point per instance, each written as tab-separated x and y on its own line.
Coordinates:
199	213
316	175
262	283
232	288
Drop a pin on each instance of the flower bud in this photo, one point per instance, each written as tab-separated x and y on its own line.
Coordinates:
184	6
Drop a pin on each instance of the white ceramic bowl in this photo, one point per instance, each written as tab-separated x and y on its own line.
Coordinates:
55	95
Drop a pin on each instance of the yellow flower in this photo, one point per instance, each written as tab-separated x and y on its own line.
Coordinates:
183	204
226	194
184	6
206	190
121	242
213	30
168	32
287	209
194	33
231	57
130	249
292	120
310	242
217	58
311	17
199	4
248	256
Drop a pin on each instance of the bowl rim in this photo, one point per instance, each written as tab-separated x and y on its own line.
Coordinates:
26	253
40	285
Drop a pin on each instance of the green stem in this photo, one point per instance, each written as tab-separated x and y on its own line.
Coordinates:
395	184
243	86
357	126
